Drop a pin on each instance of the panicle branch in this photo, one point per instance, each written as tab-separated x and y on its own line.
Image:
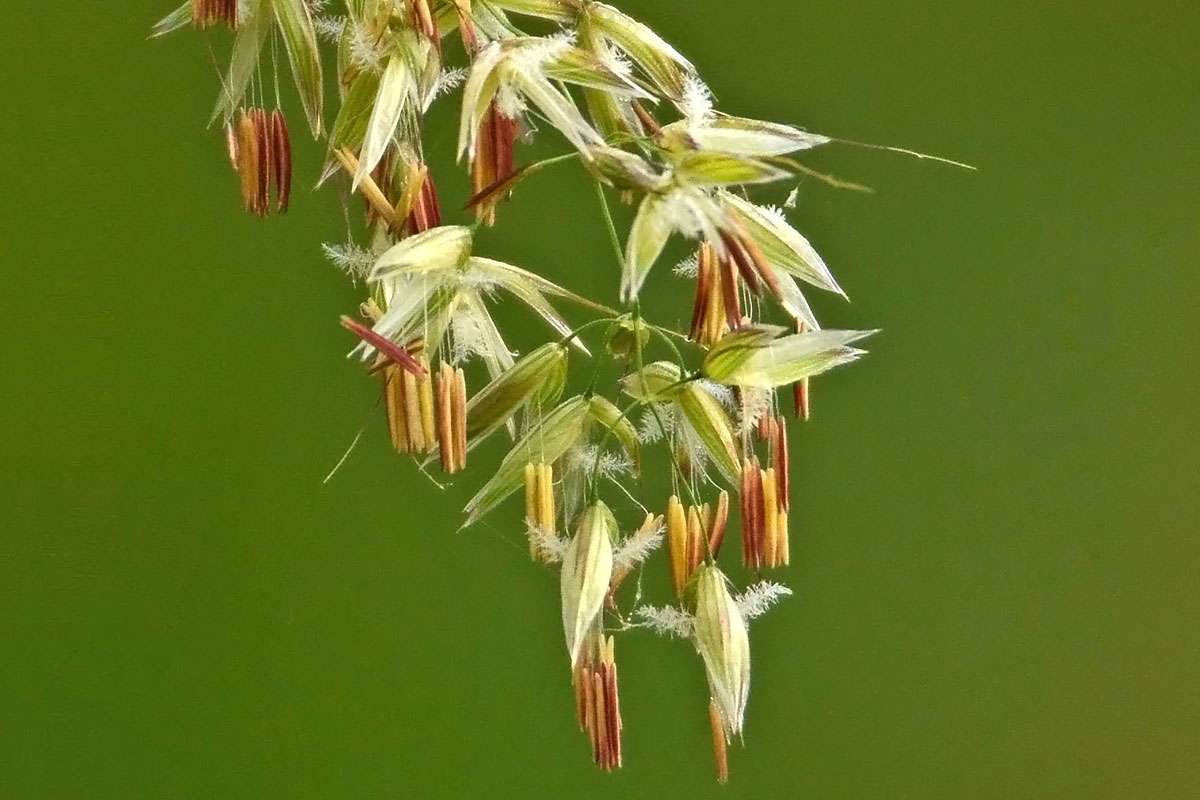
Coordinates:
632	111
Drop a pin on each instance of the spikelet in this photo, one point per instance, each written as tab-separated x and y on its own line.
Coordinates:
721	638
584	579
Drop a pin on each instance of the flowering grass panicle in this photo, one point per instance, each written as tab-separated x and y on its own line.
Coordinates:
702	404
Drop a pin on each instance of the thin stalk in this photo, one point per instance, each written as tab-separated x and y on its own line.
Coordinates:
641	370
637	348
596	364
608	434
546	162
612	228
671	344
575	333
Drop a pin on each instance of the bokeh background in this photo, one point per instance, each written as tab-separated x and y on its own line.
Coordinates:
995	549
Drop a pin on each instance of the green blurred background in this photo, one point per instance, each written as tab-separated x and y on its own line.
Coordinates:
995	556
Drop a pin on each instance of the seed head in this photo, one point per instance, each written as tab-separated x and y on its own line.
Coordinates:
666	68
721	638
759	357
586	572
780	244
537	377
547	440
721	133
636	118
